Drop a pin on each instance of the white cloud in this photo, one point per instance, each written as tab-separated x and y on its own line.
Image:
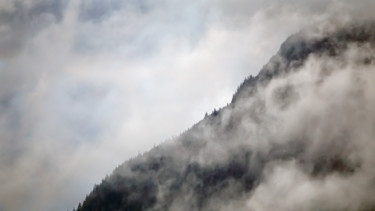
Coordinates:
79	96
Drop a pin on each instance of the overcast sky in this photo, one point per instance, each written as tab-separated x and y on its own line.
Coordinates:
86	85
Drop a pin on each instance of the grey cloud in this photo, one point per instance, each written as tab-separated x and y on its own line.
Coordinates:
22	21
312	154
80	84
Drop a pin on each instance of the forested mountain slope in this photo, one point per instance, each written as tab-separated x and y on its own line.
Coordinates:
298	136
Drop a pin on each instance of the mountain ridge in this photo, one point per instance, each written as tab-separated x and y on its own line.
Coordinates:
232	152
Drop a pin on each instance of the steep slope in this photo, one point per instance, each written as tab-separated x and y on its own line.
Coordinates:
298	136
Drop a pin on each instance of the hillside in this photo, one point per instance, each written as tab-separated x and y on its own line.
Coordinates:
298	136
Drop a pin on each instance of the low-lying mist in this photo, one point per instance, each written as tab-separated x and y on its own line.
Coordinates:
298	136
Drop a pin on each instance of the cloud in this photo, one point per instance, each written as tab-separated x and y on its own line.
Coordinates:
332	118
297	137
85	85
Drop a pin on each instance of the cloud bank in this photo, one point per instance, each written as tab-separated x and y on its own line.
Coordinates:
87	84
298	136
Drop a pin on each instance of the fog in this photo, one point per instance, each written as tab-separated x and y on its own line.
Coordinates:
86	85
